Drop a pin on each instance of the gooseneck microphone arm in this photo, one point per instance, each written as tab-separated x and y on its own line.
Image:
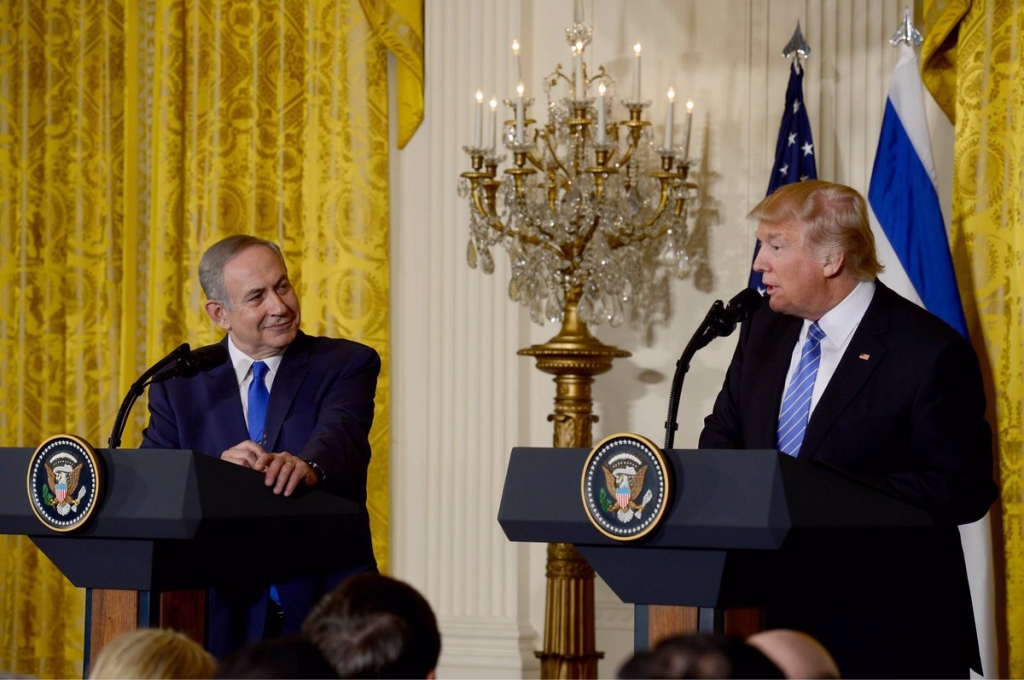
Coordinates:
720	321
705	334
135	391
187	363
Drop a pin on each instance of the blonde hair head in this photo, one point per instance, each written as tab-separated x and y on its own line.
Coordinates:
834	219
153	653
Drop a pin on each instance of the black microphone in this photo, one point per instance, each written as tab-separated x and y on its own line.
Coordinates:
741	306
719	322
193	363
187	363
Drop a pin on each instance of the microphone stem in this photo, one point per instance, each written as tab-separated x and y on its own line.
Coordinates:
136	390
701	338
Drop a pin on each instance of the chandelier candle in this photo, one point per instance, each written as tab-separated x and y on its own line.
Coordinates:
516	64
578	86
520	116
492	123
689	124
669	122
478	120
636	73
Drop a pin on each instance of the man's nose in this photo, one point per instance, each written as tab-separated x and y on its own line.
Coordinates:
760	265
276	304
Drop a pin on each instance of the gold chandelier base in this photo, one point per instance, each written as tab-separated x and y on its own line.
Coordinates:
574	357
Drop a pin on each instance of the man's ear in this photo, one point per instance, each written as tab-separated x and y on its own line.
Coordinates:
216	311
833	264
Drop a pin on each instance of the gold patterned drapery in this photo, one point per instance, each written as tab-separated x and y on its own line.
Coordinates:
972	63
135	133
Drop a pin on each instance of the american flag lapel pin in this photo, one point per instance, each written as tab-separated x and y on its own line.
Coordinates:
864	357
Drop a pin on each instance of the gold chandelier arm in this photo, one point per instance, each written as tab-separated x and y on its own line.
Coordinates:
478	201
554	155
641	233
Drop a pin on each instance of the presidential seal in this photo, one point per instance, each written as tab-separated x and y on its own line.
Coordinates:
64	482
625	486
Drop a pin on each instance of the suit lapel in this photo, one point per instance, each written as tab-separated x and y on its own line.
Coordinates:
290	375
774	359
864	353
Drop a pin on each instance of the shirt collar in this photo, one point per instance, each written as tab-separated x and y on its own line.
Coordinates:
842	320
242	362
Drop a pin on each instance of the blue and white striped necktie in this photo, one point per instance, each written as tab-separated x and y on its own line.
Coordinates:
796	406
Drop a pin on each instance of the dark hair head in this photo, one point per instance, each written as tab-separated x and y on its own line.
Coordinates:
373	626
834	219
211	266
700	656
289	656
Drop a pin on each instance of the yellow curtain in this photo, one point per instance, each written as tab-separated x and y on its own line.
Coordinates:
132	136
974	67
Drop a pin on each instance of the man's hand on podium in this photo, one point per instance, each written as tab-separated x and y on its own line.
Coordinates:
282	471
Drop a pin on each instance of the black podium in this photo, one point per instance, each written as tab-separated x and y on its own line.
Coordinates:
739	524
172	523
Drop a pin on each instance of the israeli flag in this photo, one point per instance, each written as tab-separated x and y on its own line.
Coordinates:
912	243
909	231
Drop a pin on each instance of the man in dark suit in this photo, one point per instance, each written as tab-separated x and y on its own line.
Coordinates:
839	370
295	408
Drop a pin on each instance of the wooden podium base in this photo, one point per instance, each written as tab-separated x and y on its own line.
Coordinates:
112	612
665	621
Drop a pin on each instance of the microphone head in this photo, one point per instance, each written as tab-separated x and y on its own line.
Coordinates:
744	304
723	320
194	362
203	359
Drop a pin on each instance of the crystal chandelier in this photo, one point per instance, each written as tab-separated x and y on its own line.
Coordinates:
593	216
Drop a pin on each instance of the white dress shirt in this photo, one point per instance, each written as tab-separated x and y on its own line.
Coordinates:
243	372
839	323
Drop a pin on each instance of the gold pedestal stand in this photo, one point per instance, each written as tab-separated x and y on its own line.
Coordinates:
574	357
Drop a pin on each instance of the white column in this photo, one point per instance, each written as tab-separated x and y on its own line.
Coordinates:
456	377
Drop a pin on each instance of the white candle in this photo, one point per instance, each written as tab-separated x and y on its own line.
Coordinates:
520	116
669	116
578	86
689	124
516	64
636	73
478	120
601	138
492	124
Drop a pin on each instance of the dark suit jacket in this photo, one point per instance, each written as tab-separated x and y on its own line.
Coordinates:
321	409
904	411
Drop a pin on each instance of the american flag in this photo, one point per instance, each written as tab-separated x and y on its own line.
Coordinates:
794	151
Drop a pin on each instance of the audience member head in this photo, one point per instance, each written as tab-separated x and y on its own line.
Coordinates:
373	626
700	656
798	655
153	653
289	656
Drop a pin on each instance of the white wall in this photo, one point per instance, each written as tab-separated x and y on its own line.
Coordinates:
461	397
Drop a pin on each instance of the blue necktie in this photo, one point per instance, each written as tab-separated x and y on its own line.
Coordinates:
796	407
259	397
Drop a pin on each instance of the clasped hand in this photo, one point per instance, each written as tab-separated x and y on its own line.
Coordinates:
282	471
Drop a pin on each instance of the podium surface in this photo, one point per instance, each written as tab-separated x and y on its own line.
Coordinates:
739	522
173	519
171	523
